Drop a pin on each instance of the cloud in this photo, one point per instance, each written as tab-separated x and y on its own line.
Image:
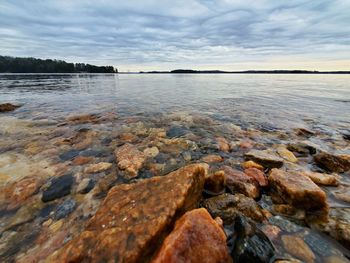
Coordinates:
149	34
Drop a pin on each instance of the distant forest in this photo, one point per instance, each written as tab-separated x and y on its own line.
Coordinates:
34	65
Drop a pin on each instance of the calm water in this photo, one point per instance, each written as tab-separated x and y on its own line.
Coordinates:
272	100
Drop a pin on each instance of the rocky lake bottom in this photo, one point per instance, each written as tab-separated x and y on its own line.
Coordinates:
171	186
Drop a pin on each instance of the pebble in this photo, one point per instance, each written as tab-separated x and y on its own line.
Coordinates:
60	186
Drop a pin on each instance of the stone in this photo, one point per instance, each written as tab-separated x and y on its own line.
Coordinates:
298	248
251	164
304	132
98	167
60	186
195	238
265	158
130	159
251	245
176	131
228	206
56	226
343	194
286	154
85	186
304	148
6	107
271	231
333	163
151	152
134	218
257	175
289	211
297	190
84	118
336	259
13	195
322	178
81	160
223	144
239	182
212	158
67	156
64	209
215	183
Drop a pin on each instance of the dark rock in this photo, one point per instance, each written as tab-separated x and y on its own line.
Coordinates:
285	224
251	245
303	148
86	186
46	211
64	209
95	153
346	135
176	131
333	163
59	187
215	183
6	107
265	158
67	156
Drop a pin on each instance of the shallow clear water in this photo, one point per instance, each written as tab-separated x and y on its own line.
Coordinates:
274	100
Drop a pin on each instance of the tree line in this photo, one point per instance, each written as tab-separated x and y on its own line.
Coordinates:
35	65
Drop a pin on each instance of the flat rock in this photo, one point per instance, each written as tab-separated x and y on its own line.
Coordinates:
196	238
6	107
60	186
286	154
239	182
223	144
64	209
98	167
251	164
298	248
228	206
297	190
333	163
343	194
265	158
129	158
212	158
134	218
322	178
303	147
257	175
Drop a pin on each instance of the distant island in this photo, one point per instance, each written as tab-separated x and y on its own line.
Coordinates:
35	65
190	71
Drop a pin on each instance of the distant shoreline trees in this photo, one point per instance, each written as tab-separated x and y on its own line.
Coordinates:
35	65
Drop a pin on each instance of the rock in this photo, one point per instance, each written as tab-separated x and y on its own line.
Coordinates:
67	156
322	178
289	211
81	119
98	167
223	144
56	226
228	206
129	158
343	194
265	158
239	182
85	186
304	132
304	148
298	248
285	224
128	137
297	190
195	238
186	155
60	186
134	218
81	160
13	195
176	131
333	163
251	244
64	209
251	164
212	158
151	152
286	154
336	259
257	175
271	231
6	107
215	183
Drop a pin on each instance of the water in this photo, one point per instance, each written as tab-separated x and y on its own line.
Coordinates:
280	100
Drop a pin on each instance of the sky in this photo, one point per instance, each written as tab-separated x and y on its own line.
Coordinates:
146	35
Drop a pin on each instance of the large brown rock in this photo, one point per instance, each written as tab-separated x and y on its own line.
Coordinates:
196	238
239	182
130	159
333	163
296	189
134	218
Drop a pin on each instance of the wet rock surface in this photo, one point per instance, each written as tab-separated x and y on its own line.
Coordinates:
265	158
333	163
6	107
59	187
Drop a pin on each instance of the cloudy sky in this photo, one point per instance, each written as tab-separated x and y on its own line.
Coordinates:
160	34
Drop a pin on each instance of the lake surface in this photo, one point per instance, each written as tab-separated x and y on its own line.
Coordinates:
274	100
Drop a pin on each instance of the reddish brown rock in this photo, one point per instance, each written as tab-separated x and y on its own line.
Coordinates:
212	158
251	164
239	182
215	183
81	160
134	218
257	175
130	159
195	238
12	196
223	144
333	163
8	107
295	189
85	118
298	248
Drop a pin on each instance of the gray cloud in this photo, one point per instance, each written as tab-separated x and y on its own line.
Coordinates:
139	34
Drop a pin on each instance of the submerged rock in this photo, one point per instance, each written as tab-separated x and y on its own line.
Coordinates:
223	144
303	148
251	244
98	167
298	248
60	186
6	107
333	163
176	131
195	238
134	218
295	189
343	194
286	154
130	159
215	183
266	158
64	209
322	178
85	186
228	206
